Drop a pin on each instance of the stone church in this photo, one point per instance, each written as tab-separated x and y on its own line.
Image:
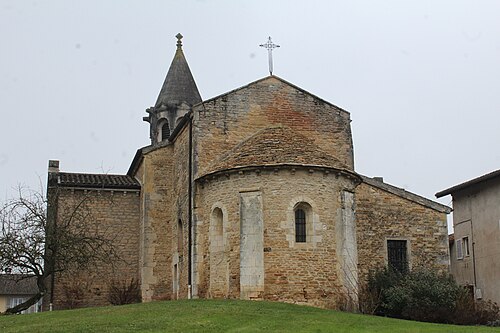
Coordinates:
250	195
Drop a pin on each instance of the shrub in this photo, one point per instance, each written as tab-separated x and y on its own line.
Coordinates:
425	295
124	292
372	294
422	295
470	312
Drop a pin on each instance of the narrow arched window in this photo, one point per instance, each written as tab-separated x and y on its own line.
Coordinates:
300	225
217	220
165	131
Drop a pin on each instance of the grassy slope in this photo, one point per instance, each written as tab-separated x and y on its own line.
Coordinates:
215	316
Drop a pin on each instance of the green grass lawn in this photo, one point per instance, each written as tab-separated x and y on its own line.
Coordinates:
215	316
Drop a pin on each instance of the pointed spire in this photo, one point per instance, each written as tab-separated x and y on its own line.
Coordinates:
179	85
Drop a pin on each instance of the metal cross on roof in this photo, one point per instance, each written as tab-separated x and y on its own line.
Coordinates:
270	46
179	41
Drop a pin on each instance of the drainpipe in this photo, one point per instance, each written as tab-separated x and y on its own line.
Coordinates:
52	207
473	255
190	207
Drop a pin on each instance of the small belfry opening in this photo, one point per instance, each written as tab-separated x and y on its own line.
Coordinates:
163	130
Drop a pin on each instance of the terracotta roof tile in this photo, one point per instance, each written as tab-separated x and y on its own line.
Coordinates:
67	179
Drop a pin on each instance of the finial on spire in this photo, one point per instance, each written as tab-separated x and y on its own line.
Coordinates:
270	46
179	42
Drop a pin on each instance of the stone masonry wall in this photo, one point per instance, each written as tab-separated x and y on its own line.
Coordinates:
155	175
381	215
294	272
223	122
164	230
180	212
111	214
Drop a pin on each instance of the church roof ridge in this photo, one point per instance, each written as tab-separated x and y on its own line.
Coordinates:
277	78
179	84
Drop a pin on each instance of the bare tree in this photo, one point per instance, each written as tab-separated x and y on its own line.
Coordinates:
40	242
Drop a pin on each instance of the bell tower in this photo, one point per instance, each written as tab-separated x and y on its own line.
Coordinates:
177	95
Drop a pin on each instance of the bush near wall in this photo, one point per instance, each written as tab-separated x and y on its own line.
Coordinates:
424	295
124	292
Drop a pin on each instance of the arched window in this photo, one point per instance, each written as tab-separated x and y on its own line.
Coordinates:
217	221
300	225
165	130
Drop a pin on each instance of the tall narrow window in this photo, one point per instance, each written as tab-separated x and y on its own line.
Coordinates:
300	225
165	131
397	255
465	245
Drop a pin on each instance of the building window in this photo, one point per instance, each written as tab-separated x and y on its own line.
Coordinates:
15	300
300	225
397	256
460	253
465	246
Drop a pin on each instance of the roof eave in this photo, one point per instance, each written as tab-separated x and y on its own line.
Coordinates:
407	195
468	184
284	165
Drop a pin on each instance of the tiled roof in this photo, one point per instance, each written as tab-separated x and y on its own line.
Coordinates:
469	183
276	146
17	284
407	195
88	180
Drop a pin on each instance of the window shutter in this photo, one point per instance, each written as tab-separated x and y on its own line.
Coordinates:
460	254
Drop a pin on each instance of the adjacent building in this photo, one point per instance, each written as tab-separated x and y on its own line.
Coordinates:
16	289
475	244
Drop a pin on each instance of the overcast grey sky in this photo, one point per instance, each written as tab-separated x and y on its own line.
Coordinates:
420	78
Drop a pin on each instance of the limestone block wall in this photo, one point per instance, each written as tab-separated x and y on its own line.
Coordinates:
180	213
164	175
381	215
251	245
157	223
223	122
111	214
293	272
